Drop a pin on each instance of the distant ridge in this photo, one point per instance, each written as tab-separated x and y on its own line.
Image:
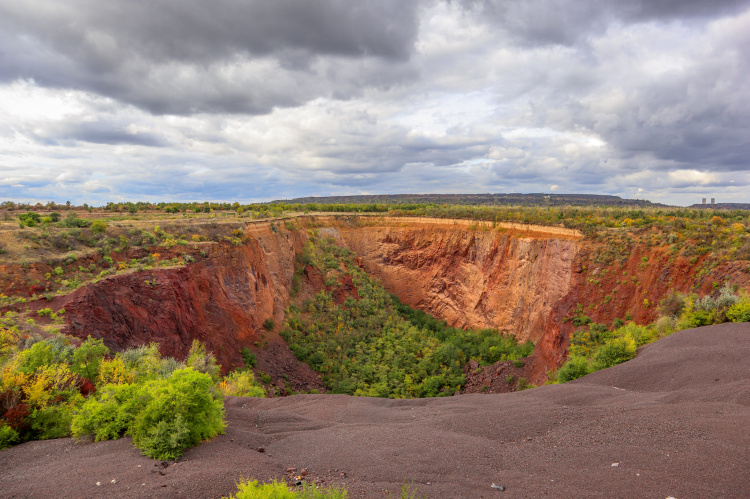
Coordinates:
722	206
478	199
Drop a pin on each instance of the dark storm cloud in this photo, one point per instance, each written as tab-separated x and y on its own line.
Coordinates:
97	134
186	56
566	22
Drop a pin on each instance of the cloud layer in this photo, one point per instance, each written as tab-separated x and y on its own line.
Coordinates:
262	100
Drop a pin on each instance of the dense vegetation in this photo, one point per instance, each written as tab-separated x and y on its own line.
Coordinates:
367	343
595	346
50	388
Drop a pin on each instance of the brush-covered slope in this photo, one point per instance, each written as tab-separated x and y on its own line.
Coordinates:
673	420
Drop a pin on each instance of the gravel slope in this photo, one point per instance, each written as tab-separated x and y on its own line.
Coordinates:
676	420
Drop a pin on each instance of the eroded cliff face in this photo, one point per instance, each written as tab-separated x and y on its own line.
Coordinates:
476	276
470	278
221	300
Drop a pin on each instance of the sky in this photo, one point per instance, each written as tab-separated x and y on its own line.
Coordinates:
229	100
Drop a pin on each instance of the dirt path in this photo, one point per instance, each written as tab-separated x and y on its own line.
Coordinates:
672	422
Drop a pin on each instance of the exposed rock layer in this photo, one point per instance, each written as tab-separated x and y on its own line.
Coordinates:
522	279
221	300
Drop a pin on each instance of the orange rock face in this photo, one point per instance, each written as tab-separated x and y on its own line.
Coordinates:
470	278
508	280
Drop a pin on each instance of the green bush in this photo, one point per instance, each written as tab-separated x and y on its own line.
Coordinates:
88	357
44	312
30	219
614	352
108	414
523	384
640	334
40	354
241	383
54	421
8	436
98	226
248	357
203	361
164	416
280	490
696	318
269	324
167	439
739	312
574	368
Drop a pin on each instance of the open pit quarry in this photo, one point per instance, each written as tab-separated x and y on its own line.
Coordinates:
522	279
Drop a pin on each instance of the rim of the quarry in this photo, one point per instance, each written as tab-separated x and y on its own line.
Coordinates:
514	228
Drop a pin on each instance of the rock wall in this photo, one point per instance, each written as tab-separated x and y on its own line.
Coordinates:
470	278
221	300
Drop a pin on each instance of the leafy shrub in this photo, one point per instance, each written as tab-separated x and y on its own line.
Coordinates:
109	414
88	357
581	320
44	312
99	227
39	355
30	219
739	312
614	352
696	318
241	383
203	361
71	220
8	436
574	368
269	324
248	357
523	384
280	490
640	334
53	421
164	416
673	305
8	343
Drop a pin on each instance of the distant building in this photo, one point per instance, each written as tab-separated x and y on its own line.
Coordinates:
704	200
713	200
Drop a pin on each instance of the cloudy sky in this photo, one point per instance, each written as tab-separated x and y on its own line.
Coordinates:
258	100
